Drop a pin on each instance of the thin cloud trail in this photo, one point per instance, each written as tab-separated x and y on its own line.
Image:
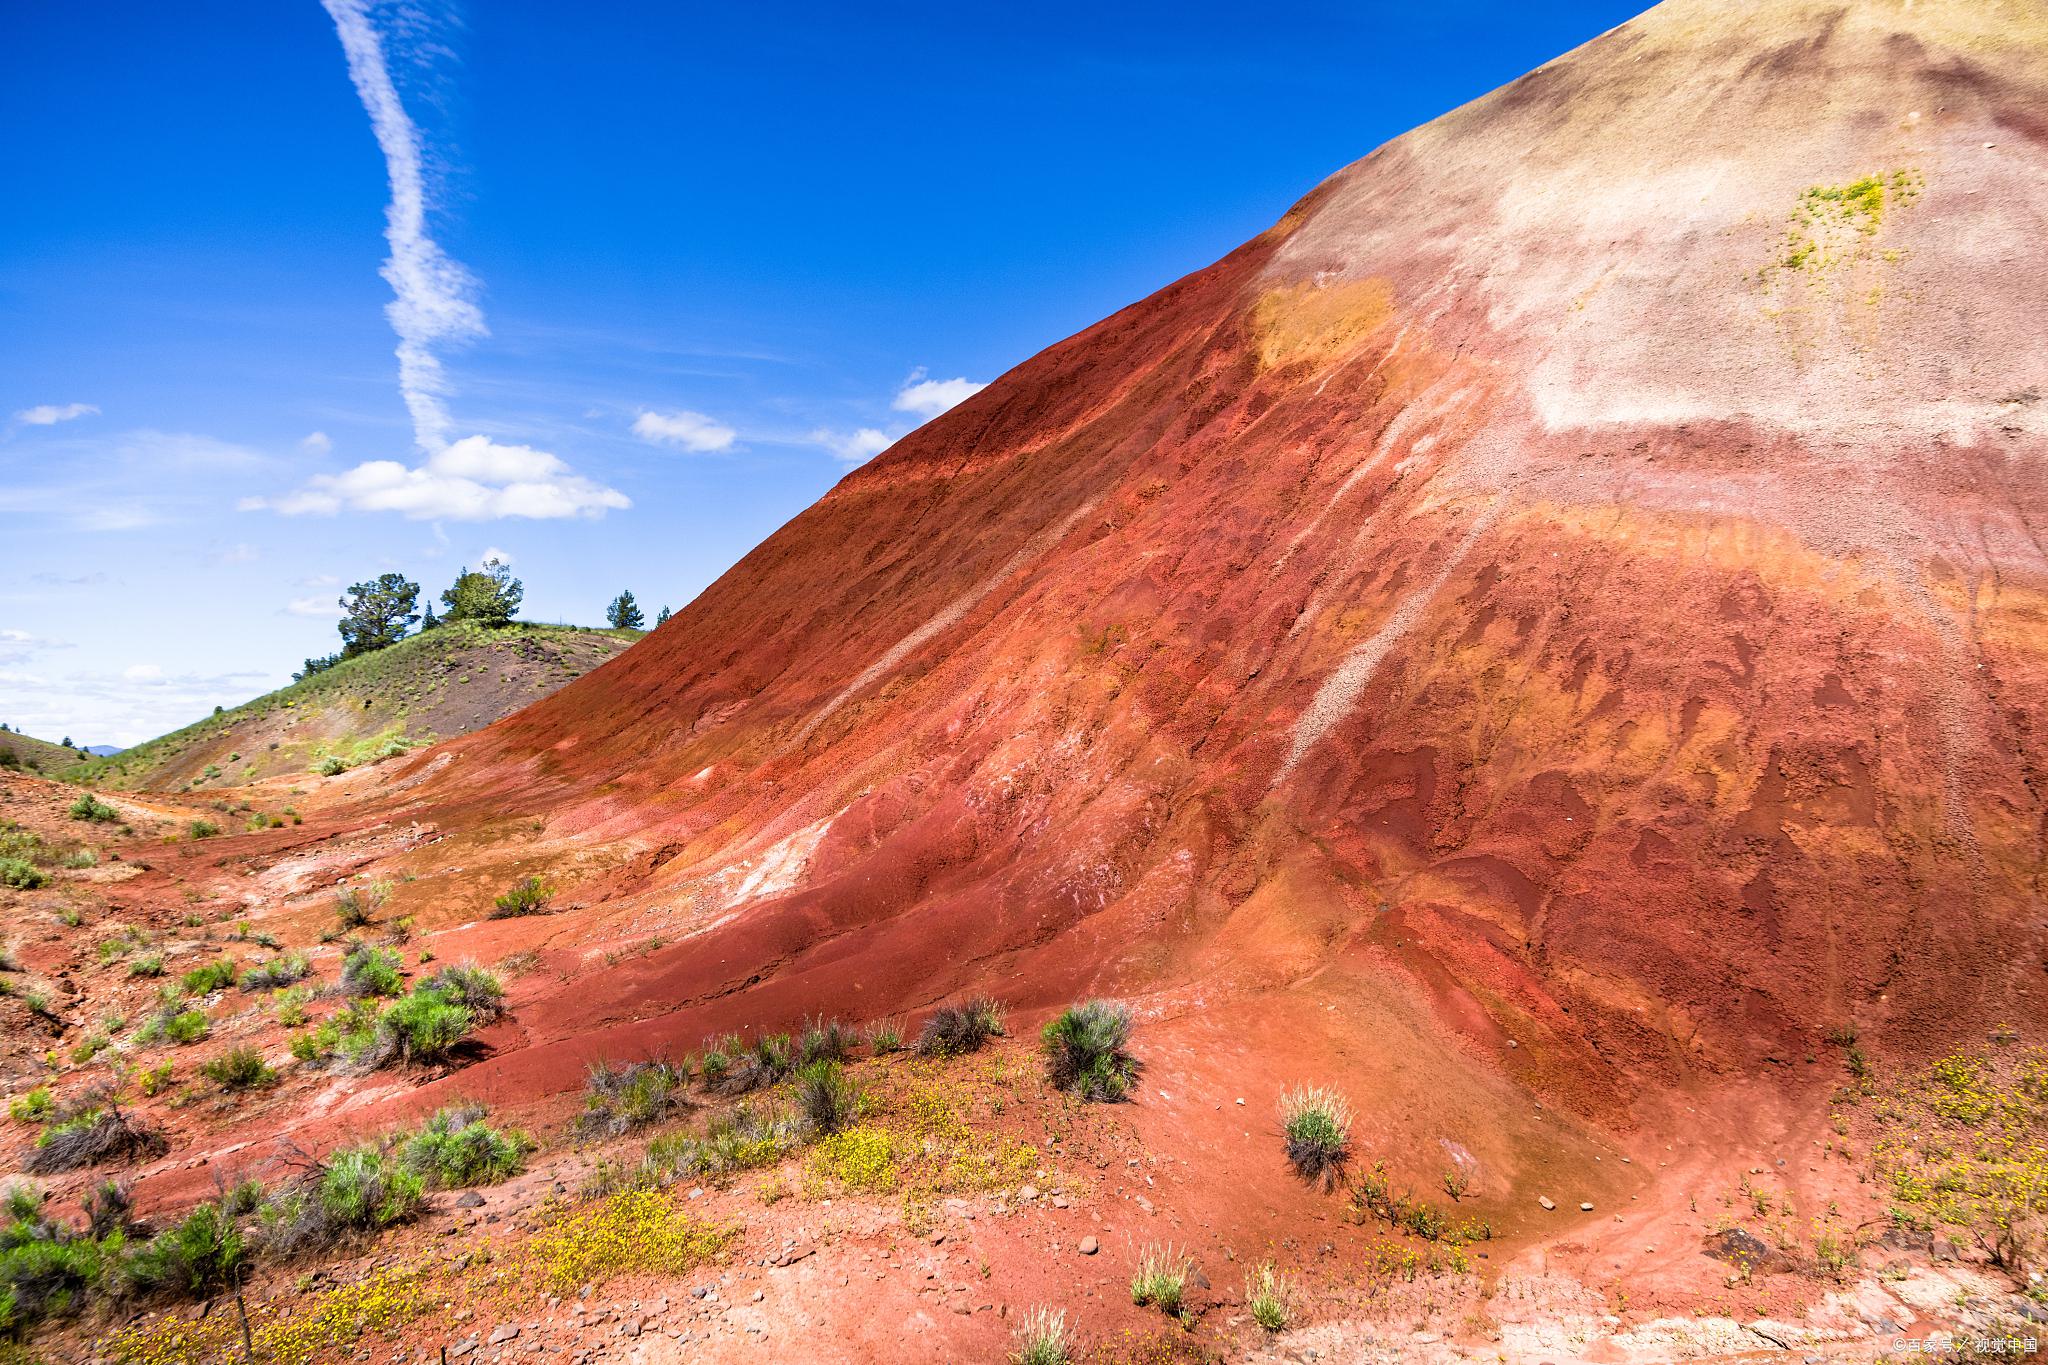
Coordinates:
434	296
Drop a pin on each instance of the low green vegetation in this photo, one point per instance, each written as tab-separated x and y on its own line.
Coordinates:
1162	1279
371	971
532	896
356	907
1042	1338
423	1026
217	975
1317	1125
239	1068
1085	1052
456	1148
1267	1295
955	1030
90	807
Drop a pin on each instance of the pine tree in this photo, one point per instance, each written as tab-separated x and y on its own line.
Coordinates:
624	612
662	619
377	614
489	597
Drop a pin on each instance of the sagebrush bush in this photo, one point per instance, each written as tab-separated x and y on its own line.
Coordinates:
202	829
199	1255
90	807
356	1191
370	970
1084	1051
239	1068
92	1134
22	875
529	897
619	1098
217	975
473	988
954	1030
885	1036
281	971
826	1040
356	907
1317	1124
455	1148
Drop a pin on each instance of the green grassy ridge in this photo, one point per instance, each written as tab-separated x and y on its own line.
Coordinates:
357	708
37	755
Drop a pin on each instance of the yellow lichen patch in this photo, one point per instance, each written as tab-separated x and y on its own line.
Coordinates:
1311	320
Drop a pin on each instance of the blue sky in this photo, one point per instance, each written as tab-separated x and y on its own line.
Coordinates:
676	267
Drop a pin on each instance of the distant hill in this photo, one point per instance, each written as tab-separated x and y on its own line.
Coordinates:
36	755
447	681
103	750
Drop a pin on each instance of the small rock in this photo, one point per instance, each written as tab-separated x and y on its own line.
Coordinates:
1029	1192
462	1348
504	1332
1089	1246
469	1199
1544	1200
1585	1207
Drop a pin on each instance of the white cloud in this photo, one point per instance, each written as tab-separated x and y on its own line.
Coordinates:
493	552
930	397
316	443
320	580
475	479
691	431
49	414
861	445
17	646
433	296
126	707
136	673
319	608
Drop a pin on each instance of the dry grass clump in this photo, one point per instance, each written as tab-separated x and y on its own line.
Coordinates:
1317	1124
955	1030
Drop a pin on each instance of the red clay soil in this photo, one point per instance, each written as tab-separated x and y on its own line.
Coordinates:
1537	640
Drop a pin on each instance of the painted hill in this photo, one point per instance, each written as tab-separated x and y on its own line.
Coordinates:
445	682
1576	579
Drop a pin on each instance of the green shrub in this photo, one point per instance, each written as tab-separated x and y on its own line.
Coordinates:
619	1098
290	1005
1162	1279
825	1100
187	1027
826	1040
1084	1051
425	1026
1317	1124
356	906
217	975
470	986
277	973
454	1148
356	1191
239	1068
530	897
155	1080
22	876
331	766
90	807
202	829
199	1255
149	964
34	1107
46	1269
954	1030
368	970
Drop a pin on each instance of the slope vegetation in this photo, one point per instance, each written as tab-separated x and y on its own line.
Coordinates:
445	682
35	755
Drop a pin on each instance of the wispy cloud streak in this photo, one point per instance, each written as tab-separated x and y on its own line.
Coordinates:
434	301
